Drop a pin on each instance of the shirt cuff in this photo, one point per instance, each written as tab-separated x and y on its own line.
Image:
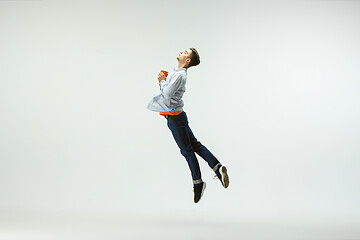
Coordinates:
162	82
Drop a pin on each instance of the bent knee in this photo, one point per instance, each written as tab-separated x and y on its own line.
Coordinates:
187	151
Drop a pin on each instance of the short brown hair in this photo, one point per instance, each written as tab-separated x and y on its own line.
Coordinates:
195	58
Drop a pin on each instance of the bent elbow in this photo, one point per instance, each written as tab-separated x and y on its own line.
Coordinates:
167	96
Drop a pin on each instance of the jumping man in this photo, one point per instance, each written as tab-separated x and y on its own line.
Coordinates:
169	104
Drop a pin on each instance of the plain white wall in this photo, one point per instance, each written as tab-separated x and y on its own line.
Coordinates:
275	98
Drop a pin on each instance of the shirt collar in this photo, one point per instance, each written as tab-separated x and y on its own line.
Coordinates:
180	69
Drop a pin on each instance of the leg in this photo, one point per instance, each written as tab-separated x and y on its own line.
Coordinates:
203	152
179	128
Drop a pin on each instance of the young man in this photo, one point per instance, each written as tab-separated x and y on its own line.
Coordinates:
170	105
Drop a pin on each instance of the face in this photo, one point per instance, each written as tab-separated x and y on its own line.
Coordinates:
184	56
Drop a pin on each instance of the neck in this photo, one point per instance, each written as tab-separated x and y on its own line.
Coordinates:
182	65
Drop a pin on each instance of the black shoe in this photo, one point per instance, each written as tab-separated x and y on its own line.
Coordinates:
199	191
221	173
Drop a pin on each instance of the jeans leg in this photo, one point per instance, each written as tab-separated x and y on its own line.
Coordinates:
203	152
179	128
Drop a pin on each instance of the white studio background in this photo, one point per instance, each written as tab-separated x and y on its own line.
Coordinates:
275	98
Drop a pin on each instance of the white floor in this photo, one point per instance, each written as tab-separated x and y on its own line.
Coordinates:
25	226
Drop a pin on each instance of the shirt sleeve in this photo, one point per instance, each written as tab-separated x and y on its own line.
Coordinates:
169	90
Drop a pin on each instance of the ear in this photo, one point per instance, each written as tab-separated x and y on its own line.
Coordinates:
188	60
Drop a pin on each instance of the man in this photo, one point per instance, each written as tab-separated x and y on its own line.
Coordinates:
170	105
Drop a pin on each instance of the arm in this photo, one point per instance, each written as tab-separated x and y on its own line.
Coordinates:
169	90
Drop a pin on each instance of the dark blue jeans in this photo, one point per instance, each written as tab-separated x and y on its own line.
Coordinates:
189	145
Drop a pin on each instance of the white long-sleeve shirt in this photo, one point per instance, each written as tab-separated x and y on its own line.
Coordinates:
171	91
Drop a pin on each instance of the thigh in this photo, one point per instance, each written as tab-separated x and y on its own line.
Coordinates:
180	131
192	138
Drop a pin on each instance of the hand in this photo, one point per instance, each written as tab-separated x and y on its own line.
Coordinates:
161	76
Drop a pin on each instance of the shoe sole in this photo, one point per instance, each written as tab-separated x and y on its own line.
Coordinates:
225	176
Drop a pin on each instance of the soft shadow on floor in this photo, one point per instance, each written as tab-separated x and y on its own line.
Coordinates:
56	226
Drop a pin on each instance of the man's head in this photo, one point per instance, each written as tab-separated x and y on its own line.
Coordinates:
189	58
